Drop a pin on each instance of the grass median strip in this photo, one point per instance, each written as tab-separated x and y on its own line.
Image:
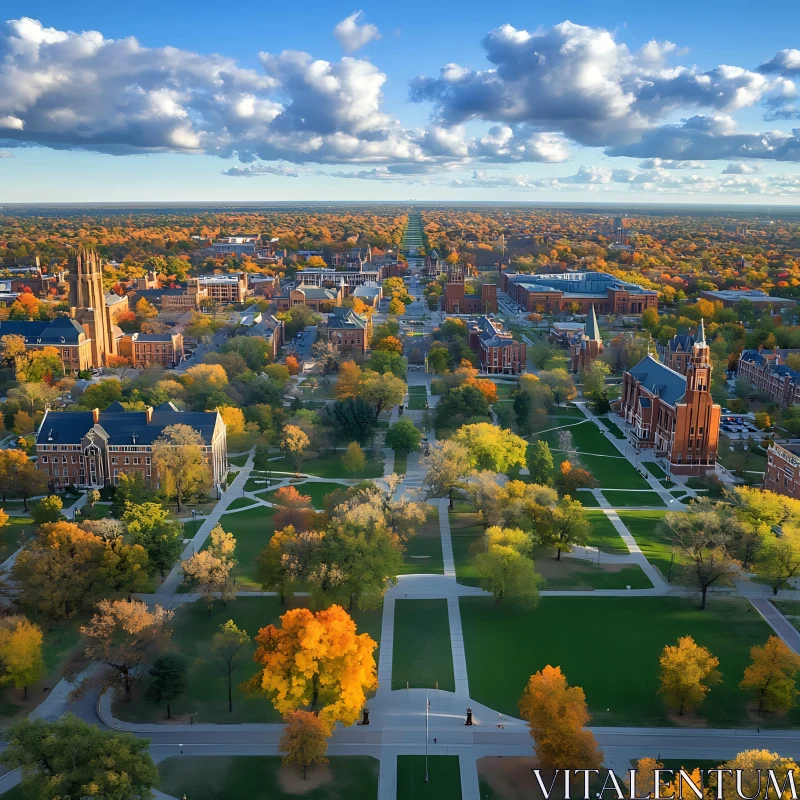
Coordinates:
422	655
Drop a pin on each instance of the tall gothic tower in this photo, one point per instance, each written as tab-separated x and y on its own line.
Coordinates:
88	304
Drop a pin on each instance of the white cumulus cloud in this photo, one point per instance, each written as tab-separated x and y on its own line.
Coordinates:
353	36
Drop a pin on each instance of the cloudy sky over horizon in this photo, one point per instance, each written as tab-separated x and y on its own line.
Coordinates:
505	103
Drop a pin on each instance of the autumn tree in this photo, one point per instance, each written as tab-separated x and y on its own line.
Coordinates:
529	507
557	716
12	347
295	442
292	508
772	675
446	468
305	740
125	635
354	460
70	758
229	646
65	569
168	680
20	653
383	391
492	448
19	476
287	559
293	365
209	575
349	380
48	509
505	568
779	560
316	661
753	772
688	671
178	455
705	537
568	527
484	492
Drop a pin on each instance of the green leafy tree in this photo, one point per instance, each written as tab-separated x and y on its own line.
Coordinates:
490	447
568	527
540	463
149	525
354	460
72	759
403	436
351	419
447	466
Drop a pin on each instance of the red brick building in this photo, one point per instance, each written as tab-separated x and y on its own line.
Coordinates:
768	374
498	352
457	301
90	449
577	292
783	470
349	332
674	414
144	349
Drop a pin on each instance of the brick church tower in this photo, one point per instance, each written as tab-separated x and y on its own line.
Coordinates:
587	346
696	439
87	303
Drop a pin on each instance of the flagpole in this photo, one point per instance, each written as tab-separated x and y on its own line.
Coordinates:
427	708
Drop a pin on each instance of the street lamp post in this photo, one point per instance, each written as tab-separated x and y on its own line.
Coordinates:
427	709
194	520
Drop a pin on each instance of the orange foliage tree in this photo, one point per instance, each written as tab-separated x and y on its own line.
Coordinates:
293	365
317	661
292	508
556	714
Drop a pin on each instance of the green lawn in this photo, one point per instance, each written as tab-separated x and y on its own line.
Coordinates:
444	778
614	473
587	499
259	778
238	461
643	526
320	392
329	465
252	530
421	654
579	574
618	499
573	633
316	490
604	535
504	390
586	438
654	469
12	535
466	532
424	550
207	693
240	502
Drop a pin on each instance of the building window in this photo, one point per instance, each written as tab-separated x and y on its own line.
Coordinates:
44	459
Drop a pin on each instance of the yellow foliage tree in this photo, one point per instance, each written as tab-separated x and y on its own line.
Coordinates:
317	661
772	675
753	785
21	654
556	714
688	671
295	442
233	419
349	379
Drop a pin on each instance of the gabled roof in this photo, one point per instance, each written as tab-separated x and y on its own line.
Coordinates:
346	318
660	380
69	427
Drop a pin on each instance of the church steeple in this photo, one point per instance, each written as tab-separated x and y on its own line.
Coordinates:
701	333
592	328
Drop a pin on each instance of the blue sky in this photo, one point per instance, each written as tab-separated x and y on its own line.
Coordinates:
690	102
